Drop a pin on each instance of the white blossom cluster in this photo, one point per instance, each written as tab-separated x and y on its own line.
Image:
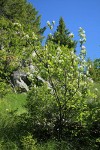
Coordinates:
89	80
51	36
51	25
26	36
82	35
71	35
82	64
82	41
83	50
17	24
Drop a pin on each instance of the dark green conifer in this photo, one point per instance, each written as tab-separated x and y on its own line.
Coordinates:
21	11
62	35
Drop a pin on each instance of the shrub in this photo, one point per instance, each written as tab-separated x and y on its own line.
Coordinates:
28	143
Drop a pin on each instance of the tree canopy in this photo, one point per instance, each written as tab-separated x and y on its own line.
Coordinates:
19	28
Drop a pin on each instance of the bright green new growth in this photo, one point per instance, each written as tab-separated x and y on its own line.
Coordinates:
65	90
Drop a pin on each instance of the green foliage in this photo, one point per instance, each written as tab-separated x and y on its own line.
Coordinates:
41	112
50	145
19	28
28	143
9	145
94	69
64	93
16	47
4	88
22	11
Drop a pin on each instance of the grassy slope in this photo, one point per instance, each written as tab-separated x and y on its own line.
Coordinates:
12	102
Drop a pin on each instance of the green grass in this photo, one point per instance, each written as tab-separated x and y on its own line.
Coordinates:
13	102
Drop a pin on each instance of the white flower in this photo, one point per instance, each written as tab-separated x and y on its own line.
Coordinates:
71	67
26	36
71	35
87	72
83	51
83	47
83	31
48	23
72	52
81	41
53	22
18	24
84	39
96	89
82	34
53	57
2	47
50	34
84	61
7	109
90	66
80	29
51	27
59	49
90	80
33	54
60	61
31	75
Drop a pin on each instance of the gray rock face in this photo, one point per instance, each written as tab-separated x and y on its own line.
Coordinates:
22	84
20	79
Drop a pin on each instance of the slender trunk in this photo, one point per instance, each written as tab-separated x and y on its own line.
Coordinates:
60	125
60	129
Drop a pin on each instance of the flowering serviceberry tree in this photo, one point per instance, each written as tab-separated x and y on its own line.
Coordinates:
62	96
